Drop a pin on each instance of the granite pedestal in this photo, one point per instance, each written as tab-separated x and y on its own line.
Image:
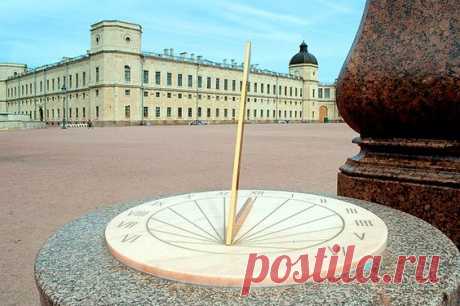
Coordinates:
74	267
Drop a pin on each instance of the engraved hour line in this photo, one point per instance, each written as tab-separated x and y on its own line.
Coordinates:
294	226
364	223
195	225
182	229
280	221
263	219
207	219
180	235
294	234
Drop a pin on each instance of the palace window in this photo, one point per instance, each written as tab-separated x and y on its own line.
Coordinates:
199	111
327	93
146	112
157	94
168	112
76	112
179	112
127	111
290	91
97	92
208	112
127	73
217	112
268	89
76	80
157	77
84	79
261	113
320	93
168	95
313	93
225	84
97	74
261	88
233	113
301	92
274	114
217	83
179	80
169	79
70	112
97	111
127	92
190	81
200	81
70	81
255	113
146	93
233	85
179	96
190	112
248	111
296	91
157	112
208	83
146	76
225	112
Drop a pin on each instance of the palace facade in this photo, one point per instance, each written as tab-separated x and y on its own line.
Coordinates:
116	83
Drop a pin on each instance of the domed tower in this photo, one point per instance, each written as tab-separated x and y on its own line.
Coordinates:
305	65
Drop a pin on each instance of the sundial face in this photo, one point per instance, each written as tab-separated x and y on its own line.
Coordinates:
182	237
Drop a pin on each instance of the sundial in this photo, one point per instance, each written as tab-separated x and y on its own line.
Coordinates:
206	237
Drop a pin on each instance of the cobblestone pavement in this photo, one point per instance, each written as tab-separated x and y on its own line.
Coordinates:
51	176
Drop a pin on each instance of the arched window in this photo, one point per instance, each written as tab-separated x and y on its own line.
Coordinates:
127	73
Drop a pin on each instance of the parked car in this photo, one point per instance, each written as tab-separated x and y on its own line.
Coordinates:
198	122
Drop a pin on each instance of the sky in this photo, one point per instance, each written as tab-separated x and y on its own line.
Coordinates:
42	32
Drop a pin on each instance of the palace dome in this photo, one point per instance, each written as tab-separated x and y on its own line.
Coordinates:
303	57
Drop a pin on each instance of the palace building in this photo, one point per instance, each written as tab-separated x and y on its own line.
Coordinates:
116	83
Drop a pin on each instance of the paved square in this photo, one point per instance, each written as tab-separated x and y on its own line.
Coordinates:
50	177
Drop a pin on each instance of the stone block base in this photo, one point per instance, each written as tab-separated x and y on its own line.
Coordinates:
437	205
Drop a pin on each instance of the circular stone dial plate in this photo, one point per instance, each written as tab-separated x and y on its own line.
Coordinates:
182	237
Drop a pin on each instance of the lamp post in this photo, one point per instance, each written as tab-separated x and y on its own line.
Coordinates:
64	89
